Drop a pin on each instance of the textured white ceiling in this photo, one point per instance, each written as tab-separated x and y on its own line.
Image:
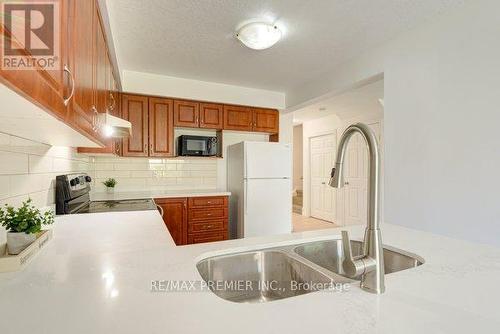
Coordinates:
354	103
195	38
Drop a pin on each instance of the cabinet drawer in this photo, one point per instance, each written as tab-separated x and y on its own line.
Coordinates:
207	214
198	238
203	202
216	225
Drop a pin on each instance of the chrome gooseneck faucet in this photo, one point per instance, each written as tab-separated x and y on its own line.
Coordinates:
371	264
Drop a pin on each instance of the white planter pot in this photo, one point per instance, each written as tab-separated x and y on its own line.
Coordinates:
18	241
110	190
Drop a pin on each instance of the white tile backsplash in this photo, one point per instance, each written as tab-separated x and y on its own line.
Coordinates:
13	163
41	164
28	170
4	186
135	174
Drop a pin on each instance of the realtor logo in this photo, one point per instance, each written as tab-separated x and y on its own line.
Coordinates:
31	35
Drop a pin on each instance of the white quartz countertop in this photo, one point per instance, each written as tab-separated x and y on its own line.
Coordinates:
95	277
124	195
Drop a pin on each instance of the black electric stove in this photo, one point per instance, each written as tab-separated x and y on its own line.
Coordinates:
73	196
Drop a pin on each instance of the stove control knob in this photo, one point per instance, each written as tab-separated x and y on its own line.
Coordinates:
88	179
72	182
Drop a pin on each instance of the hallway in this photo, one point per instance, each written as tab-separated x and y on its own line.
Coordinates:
301	223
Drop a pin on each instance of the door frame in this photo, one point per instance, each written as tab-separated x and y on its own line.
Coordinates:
309	176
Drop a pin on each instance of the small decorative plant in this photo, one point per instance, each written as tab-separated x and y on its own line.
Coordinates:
23	224
110	184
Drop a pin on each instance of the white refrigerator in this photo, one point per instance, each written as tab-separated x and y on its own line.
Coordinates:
259	179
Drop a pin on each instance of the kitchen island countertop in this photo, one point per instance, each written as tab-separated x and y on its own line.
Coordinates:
95	276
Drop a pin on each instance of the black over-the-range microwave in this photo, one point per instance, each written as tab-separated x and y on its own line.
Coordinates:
196	146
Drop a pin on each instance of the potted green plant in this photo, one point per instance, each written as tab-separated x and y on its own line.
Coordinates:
110	185
23	225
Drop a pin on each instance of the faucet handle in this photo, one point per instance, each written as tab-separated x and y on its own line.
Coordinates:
352	267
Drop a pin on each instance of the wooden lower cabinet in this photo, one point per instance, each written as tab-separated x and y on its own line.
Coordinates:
199	238
175	217
196	219
206	226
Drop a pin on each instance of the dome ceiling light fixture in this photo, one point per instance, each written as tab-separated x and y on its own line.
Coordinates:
259	35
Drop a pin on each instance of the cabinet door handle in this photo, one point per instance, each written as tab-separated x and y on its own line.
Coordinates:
66	100
160	209
151	150
94	119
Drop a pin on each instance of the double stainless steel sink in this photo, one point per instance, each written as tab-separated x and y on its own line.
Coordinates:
283	272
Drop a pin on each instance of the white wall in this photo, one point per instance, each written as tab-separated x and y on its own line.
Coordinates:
154	84
443	147
286	128
28	170
297	157
441	122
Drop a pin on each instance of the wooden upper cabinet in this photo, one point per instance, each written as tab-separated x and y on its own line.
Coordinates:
101	69
266	120
46	88
186	114
161	127
135	110
175	218
83	17
237	118
211	116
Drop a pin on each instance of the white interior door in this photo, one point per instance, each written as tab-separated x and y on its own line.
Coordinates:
356	178
323	197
